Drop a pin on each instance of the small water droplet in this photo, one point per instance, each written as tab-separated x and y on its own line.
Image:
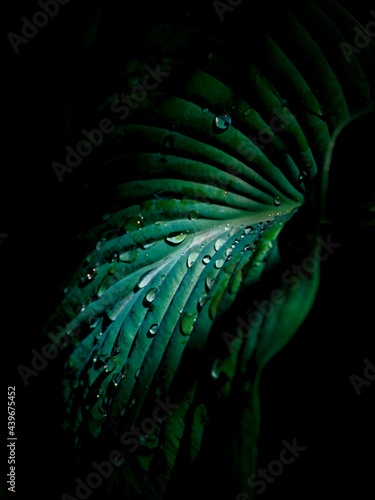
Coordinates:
201	301
187	323
191	259
206	259
247	112
209	283
137	373
152	330
148	245
117	379
277	201
129	256
134	223
228	252
83	308
168	142
215	371
193	215
248	229
99	393
176	238
111	364
66	290
99	335
205	110
219	263
150	296
222	122
219	243
122	412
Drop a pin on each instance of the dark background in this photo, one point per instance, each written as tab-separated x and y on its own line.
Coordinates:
306	391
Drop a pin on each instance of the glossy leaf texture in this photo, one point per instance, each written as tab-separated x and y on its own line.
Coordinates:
205	193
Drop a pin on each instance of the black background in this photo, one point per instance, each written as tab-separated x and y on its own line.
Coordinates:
306	391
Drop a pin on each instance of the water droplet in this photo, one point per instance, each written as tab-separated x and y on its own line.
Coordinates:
176	238
219	263
117	379
107	402
152	330
277	200
168	142
192	258
129	256
148	245
150	296
247	112
202	300
228	252
66	290
223	121
100	361
99	393
111	365
145	279
122	412
193	215
215	371
99	335
209	281
134	223
187	323
83	308
205	110
137	373
206	259
219	243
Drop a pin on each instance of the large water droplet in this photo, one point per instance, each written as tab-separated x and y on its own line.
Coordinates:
176	238
152	330
192	258
219	243
145	279
206	259
187	323
222	122
129	256
277	200
219	263
150	296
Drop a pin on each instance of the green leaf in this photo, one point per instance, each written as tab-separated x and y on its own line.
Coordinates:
203	197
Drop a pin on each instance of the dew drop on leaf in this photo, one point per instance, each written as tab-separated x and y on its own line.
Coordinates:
205	110
215	371
129	256
219	263
152	330
222	122
277	201
145	279
206	259
219	243
187	323
193	215
150	295
111	365
176	238
191	259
